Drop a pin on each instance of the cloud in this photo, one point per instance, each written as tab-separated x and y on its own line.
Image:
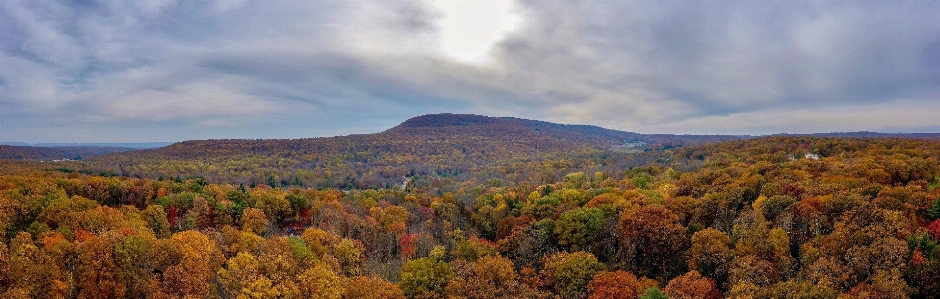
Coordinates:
173	70
820	119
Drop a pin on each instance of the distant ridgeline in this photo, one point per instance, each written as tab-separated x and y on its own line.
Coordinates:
12	152
130	145
438	145
67	151
865	134
430	147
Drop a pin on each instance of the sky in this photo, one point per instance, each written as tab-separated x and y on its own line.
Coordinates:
173	70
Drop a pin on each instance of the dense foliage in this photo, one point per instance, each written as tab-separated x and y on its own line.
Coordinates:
755	218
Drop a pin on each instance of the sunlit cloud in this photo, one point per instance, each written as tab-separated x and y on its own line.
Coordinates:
470	29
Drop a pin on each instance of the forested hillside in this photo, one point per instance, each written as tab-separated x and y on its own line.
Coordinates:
772	217
434	146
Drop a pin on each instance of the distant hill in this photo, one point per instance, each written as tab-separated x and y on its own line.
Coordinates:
436	144
866	134
14	143
517	128
68	151
32	153
130	145
436	135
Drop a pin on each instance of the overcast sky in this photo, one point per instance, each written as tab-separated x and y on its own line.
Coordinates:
172	70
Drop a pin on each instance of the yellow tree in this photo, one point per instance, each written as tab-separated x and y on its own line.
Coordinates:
277	263
364	287
254	220
199	259
486	277
25	261
320	282
96	269
318	240
239	274
349	255
710	253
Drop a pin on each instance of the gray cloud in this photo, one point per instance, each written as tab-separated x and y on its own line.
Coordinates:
96	71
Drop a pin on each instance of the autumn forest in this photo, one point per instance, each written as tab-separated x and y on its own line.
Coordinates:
460	206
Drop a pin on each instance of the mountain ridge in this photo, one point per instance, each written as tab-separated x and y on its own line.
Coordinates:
521	136
527	136
434	145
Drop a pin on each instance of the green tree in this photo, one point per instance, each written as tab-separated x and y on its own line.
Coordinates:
570	273
155	217
424	275
578	228
653	293
131	273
